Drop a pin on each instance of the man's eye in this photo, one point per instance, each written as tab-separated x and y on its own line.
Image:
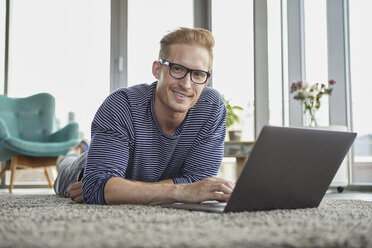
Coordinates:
197	74
177	68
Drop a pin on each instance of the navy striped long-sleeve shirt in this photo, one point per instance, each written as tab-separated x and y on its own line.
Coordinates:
128	143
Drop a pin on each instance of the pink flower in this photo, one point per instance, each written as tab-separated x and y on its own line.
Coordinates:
310	95
293	87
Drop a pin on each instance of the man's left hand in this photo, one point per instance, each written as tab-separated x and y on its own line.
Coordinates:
209	189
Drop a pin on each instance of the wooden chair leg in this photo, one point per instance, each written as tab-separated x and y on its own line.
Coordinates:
2	172
48	178
6	167
13	168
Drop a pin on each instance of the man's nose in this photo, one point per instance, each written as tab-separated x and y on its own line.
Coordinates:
186	82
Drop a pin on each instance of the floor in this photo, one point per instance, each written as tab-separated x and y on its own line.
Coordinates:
331	194
352	195
42	191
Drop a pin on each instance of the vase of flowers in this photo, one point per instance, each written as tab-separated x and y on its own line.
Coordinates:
309	96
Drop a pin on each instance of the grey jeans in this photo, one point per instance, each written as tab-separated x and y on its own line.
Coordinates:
70	170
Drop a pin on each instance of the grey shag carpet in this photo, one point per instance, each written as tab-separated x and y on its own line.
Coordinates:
50	221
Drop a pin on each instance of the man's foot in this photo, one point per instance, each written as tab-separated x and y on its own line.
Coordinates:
83	146
80	148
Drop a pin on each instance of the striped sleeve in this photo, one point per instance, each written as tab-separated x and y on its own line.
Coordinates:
109	150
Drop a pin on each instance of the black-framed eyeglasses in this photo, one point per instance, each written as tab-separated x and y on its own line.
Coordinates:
180	71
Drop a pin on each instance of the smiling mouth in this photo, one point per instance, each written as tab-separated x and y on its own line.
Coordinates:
179	95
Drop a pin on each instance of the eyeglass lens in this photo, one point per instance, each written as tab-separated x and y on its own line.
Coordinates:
179	72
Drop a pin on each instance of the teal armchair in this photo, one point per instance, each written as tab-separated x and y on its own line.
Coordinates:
28	136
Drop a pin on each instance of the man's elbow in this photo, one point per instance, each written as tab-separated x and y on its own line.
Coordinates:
93	191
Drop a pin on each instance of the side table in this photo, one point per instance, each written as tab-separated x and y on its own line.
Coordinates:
240	150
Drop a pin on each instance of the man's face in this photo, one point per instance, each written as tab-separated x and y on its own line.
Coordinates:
179	95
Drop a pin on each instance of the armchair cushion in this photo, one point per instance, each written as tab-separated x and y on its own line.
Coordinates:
4	132
37	149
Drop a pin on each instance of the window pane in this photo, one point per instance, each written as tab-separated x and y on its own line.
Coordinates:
274	27
233	58
148	22
316	58
361	87
63	48
2	44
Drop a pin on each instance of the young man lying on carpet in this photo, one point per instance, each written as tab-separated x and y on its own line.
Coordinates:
157	143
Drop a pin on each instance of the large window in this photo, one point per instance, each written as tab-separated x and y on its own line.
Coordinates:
233	58
148	22
361	87
277	44
2	44
63	48
316	58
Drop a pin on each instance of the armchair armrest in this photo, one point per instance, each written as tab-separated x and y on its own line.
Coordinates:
4	132
68	132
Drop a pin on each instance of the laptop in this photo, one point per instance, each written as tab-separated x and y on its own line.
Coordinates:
288	168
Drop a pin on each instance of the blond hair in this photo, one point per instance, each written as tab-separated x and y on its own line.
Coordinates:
197	36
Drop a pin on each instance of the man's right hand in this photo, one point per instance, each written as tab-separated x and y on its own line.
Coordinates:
75	192
209	189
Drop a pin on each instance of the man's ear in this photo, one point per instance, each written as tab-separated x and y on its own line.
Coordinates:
156	69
